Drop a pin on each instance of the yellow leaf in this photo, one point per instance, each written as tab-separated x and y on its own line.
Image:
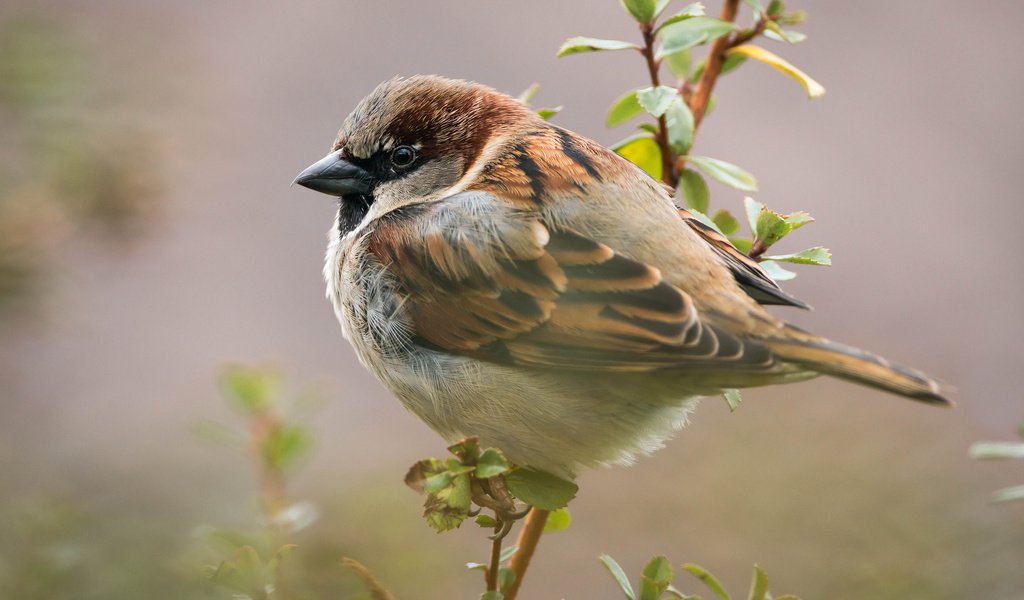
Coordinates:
814	89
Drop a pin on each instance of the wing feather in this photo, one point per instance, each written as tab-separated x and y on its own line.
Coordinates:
485	280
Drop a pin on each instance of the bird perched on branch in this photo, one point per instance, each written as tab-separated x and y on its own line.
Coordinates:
508	278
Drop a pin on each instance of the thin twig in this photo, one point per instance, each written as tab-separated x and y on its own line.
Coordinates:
712	66
757	249
529	537
668	172
377	591
491	575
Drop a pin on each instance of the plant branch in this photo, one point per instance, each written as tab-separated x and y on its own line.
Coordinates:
757	249
701	93
491	575
529	537
377	591
668	172
712	66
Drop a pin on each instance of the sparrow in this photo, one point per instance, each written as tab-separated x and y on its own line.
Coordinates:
506	278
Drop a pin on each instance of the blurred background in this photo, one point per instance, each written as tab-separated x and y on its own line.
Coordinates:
149	237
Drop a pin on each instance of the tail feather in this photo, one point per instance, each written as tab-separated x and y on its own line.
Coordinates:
858	366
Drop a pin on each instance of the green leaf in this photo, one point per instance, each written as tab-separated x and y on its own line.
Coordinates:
708	579
547	113
558	520
455	466
774	32
672	591
660	7
492	596
619	575
507	553
1009	494
796	17
656	100
811	256
728	65
996	450
418	473
756	6
475	566
704	219
285	445
506	577
641	10
467	449
243	572
758	585
648	127
776	7
1020	429
798	219
776	272
274	564
252	390
771	227
449	506
742	244
727	223
435	483
679	64
486	521
691	32
679	123
732	398
624	109
527	96
579	44
540	489
813	88
643	151
655	578
689	11
727	173
491	464
753	209
694	190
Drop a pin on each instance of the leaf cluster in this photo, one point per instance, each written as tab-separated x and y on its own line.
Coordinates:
655	582
451	485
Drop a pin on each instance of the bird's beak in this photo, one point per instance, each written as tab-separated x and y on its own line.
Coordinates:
335	176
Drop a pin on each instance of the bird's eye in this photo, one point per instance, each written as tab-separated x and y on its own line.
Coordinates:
403	156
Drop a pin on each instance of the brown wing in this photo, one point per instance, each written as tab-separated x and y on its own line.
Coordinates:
748	273
487	281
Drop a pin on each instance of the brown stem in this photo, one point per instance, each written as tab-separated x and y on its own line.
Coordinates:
529	537
271	480
712	66
377	591
491	575
668	172
757	249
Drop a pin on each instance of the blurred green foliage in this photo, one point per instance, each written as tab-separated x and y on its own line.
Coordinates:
64	171
1001	451
655	582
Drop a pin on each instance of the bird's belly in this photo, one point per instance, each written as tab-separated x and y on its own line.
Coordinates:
557	420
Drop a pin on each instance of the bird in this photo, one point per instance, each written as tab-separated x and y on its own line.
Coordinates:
509	279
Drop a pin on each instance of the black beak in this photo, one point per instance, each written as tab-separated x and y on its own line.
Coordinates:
335	176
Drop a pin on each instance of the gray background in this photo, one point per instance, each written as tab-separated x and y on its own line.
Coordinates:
910	164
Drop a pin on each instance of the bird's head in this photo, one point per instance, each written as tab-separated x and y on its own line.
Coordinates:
413	140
